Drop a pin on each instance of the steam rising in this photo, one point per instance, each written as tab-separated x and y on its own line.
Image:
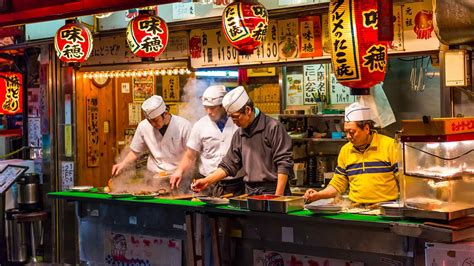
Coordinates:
136	178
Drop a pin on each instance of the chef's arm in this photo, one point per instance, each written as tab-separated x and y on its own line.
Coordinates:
313	195
187	162
281	184
216	176
129	158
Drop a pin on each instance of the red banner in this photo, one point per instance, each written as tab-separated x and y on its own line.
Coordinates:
11	93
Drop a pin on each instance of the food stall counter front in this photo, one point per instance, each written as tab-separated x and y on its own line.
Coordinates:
352	237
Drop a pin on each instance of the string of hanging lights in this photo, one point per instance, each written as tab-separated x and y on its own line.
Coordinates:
137	73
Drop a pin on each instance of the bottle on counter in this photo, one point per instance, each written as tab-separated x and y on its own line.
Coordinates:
311	170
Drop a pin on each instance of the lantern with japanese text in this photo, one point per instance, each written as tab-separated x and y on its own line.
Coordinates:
73	42
245	24
147	35
359	59
11	93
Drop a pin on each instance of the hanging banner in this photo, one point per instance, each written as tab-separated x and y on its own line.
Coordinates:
171	88
11	93
326	35
93	149
310	39
397	43
134	113
315	83
288	38
294	92
418	27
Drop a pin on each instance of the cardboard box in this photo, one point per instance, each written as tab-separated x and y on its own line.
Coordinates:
459	254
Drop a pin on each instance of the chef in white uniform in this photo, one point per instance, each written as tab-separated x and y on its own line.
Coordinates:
163	135
210	139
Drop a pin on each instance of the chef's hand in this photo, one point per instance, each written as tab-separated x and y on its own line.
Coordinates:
117	169
175	179
199	185
310	195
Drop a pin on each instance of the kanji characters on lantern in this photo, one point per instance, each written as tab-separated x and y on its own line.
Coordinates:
73	42
147	35
358	58
11	93
245	25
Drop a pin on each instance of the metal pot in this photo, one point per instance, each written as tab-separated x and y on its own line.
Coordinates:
28	196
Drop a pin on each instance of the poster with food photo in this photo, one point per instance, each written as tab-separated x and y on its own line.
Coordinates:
143	87
294	94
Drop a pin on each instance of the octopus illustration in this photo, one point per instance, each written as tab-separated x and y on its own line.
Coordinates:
423	24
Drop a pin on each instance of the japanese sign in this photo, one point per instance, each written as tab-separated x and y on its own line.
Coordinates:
397	43
344	53
143	87
326	34
11	93
134	113
315	83
267	257
184	10
294	93
93	147
34	132
418	27
147	35
132	249
171	88
67	174
267	51
73	42
213	47
310	39
339	94
288	38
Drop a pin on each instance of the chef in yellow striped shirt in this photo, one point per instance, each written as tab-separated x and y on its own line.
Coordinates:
367	164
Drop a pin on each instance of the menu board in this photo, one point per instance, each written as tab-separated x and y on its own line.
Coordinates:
9	174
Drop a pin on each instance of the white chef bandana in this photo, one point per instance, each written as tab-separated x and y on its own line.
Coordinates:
213	95
235	100
153	107
357	112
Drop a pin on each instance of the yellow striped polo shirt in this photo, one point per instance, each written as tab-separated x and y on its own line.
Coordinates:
372	175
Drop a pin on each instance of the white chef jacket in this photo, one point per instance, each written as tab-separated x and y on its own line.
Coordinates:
212	144
165	151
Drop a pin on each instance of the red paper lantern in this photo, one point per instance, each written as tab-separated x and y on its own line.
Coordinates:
245	25
147	35
11	93
73	42
359	59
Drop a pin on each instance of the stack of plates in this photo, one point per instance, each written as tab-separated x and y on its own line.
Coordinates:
81	188
324	206
214	200
391	210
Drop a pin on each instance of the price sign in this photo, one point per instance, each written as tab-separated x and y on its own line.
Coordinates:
215	50
268	51
339	94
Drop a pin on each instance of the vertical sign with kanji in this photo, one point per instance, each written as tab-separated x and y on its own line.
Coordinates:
268	50
93	152
288	38
11	93
67	174
171	88
310	39
315	83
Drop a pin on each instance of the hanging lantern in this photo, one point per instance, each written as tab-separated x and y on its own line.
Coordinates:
147	35
73	42
245	25
359	59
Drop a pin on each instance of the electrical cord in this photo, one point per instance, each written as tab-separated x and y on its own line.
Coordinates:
439	157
